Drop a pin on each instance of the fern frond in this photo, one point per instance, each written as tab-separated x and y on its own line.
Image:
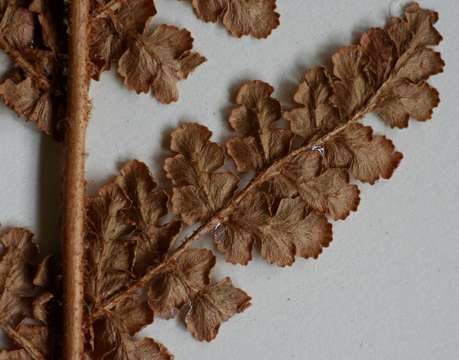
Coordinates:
302	175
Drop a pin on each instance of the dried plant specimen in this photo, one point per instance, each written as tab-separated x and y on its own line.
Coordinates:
147	60
254	119
33	87
199	189
125	241
335	148
257	18
302	177
23	297
33	33
282	229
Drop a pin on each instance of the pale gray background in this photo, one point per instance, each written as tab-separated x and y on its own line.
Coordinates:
387	288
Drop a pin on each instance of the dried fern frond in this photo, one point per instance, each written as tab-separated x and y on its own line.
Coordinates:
23	297
257	18
125	241
385	73
147	60
33	88
302	180
302	175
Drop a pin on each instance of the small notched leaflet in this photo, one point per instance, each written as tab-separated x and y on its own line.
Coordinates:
199	189
257	18
24	298
34	87
148	60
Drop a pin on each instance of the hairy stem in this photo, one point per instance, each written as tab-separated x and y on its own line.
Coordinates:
74	181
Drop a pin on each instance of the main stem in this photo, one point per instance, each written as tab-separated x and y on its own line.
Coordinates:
74	181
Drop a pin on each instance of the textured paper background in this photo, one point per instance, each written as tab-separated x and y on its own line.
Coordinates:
387	288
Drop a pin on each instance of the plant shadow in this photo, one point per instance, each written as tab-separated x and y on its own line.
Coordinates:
49	202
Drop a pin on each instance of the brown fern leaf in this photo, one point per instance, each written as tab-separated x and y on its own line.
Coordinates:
148	205
301	178
199	191
367	157
147	61
185	282
260	142
111	27
384	73
281	230
173	287
112	240
33	88
317	116
131	274
116	344
23	298
257	18
213	305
